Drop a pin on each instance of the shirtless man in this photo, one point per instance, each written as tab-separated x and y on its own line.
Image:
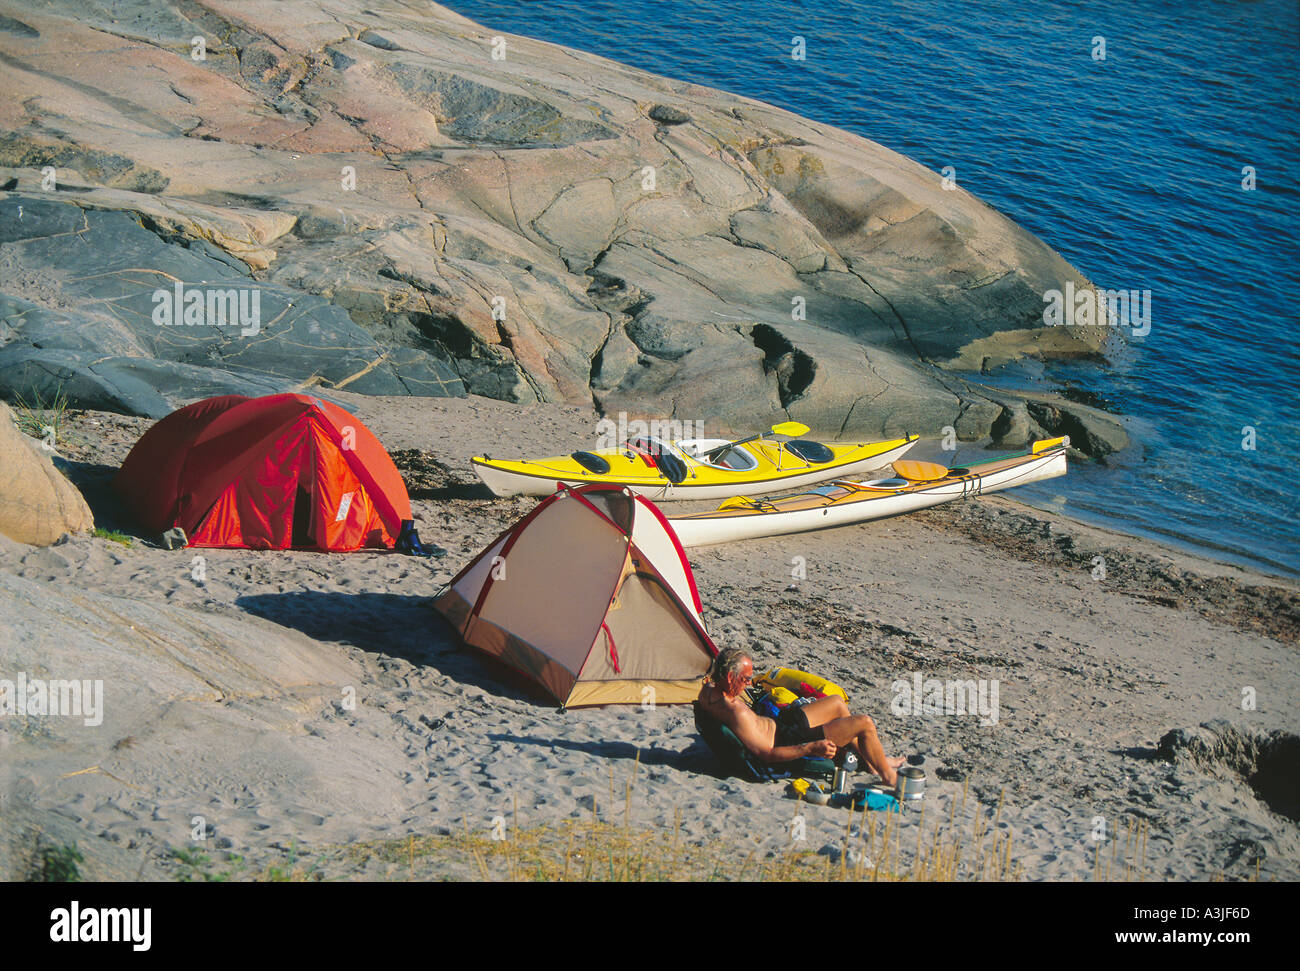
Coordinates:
816	729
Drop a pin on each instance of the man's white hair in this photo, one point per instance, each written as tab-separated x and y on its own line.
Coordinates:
729	661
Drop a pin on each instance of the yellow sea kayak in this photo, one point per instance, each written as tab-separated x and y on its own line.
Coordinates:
693	468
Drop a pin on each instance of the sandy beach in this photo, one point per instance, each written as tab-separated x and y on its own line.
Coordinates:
295	713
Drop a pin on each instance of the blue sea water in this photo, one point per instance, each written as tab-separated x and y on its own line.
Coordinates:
1131	166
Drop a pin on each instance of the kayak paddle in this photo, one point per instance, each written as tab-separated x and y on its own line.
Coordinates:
791	429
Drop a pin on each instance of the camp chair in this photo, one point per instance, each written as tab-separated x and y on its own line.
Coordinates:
737	760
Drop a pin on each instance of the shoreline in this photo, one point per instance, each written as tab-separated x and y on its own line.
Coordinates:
1198	552
225	698
572	432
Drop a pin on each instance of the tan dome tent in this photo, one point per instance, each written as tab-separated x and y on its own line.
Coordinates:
590	597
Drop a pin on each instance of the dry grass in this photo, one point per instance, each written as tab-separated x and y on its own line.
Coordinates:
40	419
963	845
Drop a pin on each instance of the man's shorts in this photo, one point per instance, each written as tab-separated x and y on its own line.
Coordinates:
792	727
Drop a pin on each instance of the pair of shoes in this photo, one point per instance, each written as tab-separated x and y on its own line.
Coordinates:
408	541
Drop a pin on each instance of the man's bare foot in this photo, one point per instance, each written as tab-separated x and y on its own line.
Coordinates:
890	776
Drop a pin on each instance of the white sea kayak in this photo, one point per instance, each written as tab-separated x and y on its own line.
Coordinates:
917	485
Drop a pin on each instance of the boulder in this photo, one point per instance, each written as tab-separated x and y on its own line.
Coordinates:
37	504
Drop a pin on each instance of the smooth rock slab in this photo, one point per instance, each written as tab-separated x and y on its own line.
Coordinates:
124	278
421	216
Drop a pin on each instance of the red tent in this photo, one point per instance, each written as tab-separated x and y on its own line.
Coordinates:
280	472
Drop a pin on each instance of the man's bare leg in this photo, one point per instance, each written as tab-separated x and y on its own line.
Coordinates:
825	710
859	731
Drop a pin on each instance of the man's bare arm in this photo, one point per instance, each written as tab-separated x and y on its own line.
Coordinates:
788	753
747	731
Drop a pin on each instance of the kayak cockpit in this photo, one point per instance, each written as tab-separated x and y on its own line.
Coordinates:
733	459
660	455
